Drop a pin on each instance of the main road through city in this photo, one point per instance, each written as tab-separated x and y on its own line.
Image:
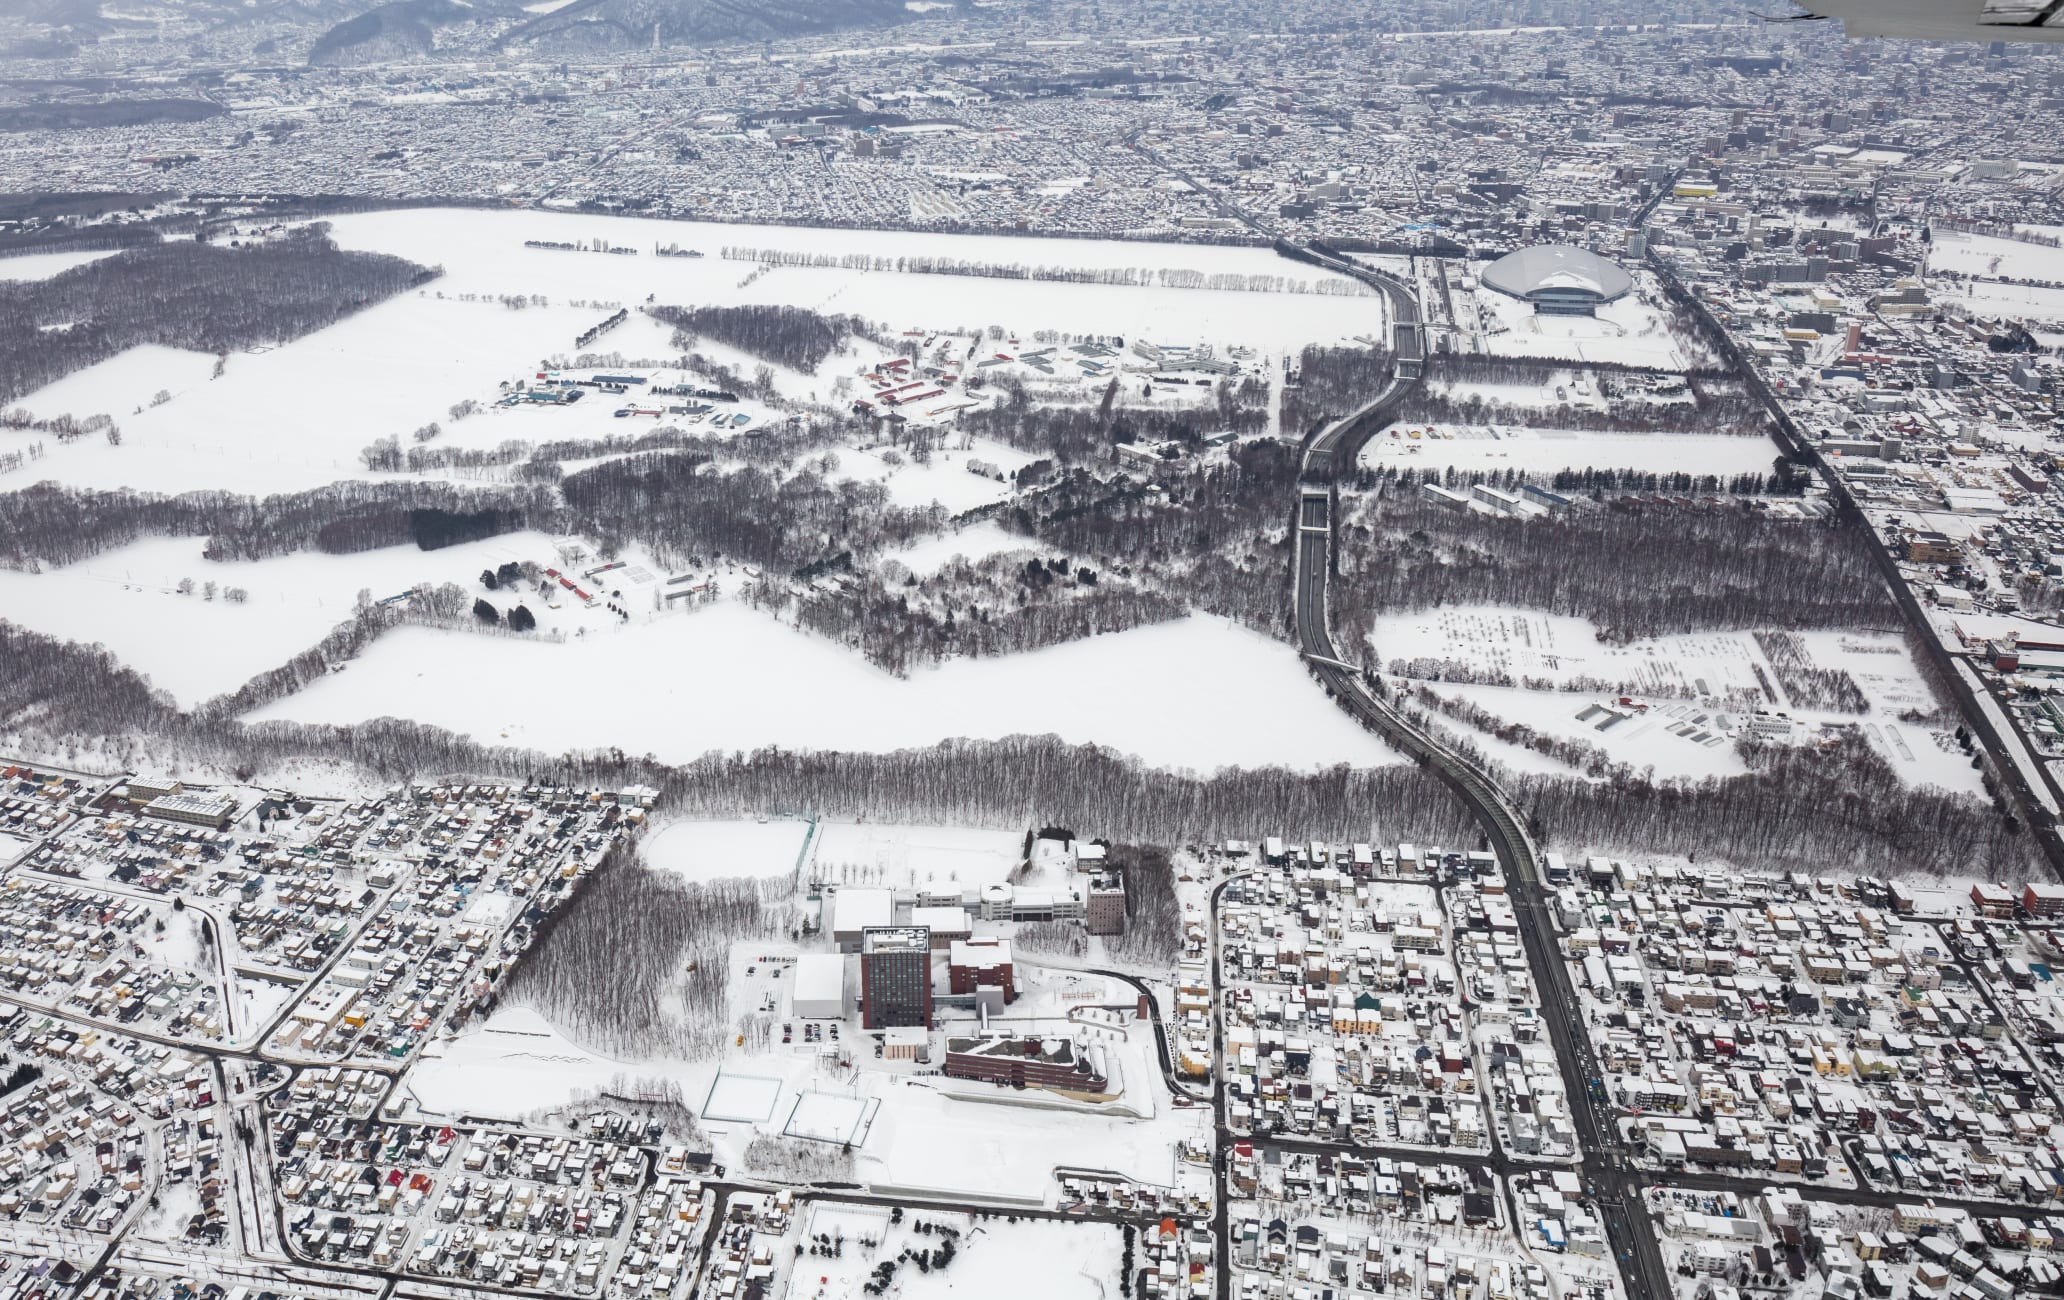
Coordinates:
1329	456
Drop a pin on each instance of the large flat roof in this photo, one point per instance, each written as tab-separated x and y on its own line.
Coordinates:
820	977
858	909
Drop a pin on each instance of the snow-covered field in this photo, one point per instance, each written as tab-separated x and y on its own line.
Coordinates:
1673	674
1196	693
713	850
1987	255
118	387
830	1117
195	648
483	252
41	266
1544	451
2020	301
947	480
902	857
296	416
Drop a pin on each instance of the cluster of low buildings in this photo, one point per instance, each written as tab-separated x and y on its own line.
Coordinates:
1367	1225
99	954
1739	1244
1341	977
95	1124
1819	1030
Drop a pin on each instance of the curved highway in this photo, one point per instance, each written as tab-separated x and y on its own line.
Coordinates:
1329	455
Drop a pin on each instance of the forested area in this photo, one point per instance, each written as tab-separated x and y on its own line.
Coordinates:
63	688
1638	572
1331	382
185	294
51	524
680	503
76	239
1153	917
795	337
973	611
1215	534
1115	556
638	962
1798	809
1808	685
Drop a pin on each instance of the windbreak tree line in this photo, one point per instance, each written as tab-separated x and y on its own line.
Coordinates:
1797	808
1331	382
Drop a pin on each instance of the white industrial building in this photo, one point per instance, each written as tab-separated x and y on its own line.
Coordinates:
820	987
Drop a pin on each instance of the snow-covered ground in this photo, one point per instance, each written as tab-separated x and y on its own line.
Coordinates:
946	480
1630	331
483	252
975	543
41	266
194	648
1987	255
298	415
1544	451
903	857
2019	301
920	1136
711	850
1530	644
1643	741
1196	693
117	387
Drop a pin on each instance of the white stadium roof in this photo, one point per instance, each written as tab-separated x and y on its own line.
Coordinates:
1552	267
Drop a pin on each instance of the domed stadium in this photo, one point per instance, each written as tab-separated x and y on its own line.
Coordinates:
1558	279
